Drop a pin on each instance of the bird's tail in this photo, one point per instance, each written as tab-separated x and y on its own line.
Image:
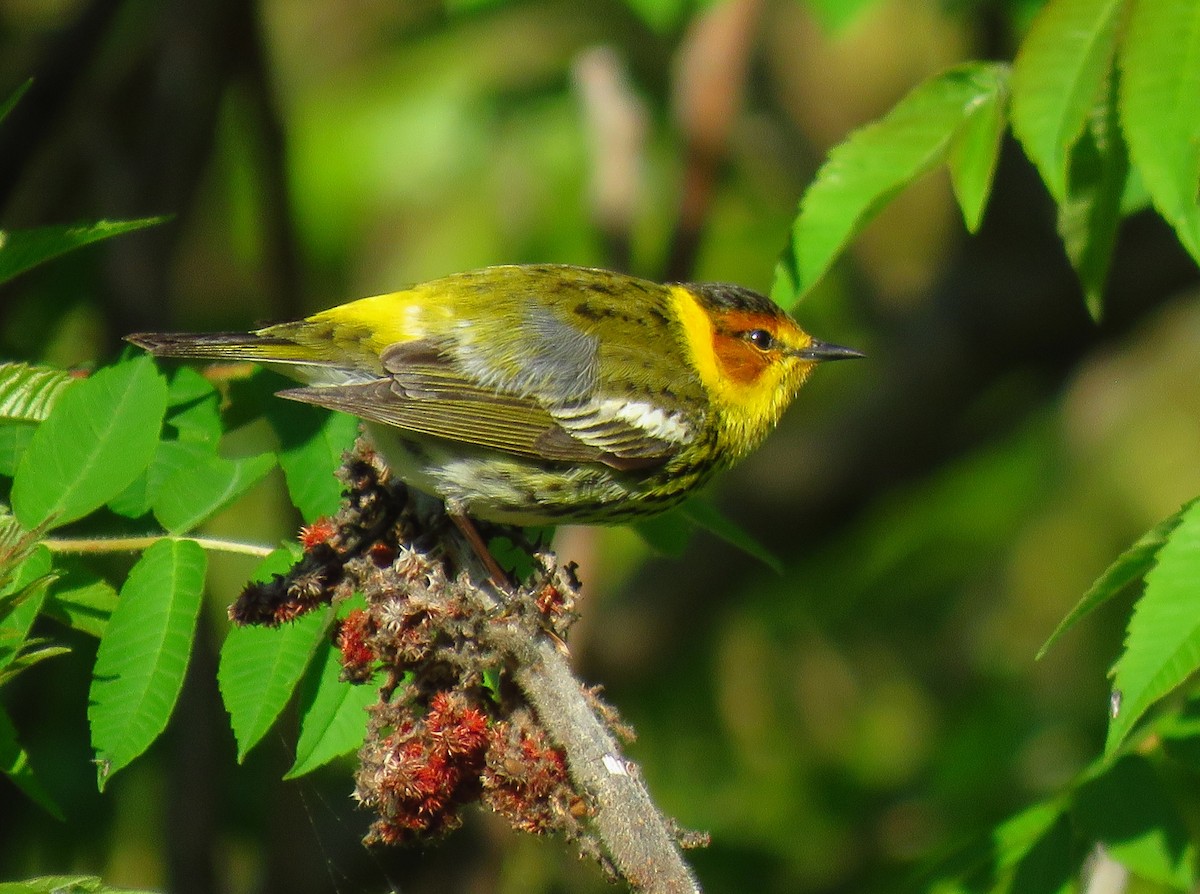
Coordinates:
223	346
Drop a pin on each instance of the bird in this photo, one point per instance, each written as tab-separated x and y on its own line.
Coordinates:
543	394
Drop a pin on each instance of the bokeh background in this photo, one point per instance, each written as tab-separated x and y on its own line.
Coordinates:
936	508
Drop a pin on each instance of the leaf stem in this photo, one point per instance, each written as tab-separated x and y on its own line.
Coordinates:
83	545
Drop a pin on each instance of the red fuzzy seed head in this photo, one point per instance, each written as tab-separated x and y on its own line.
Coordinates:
353	642
320	531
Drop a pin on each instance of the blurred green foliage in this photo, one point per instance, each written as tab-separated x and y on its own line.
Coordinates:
870	719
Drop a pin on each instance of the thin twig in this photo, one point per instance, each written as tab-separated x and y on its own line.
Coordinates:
91	545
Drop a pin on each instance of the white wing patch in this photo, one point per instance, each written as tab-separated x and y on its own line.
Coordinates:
593	422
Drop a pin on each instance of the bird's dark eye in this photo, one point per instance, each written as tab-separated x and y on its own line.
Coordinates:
761	339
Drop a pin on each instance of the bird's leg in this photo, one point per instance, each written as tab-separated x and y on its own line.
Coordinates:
467	528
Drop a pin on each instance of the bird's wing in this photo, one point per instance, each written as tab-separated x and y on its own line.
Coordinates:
427	394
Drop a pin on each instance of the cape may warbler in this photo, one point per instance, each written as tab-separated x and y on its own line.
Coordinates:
544	394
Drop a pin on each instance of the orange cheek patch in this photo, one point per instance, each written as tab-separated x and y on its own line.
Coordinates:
740	362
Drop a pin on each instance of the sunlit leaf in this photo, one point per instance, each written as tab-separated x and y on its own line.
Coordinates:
974	152
98	438
1058	77
195	494
1160	108
65	884
873	164
27	393
1162	646
144	653
1131	566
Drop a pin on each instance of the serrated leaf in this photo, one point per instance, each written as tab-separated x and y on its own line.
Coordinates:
1058	76
1131	566
974	152
260	666
14	763
98	438
22	249
333	713
1130	811
1162	646
1160	108
312	445
144	653
193	495
873	164
27	393
1089	214
9	104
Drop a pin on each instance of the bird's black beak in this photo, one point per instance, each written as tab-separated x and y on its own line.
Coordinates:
820	350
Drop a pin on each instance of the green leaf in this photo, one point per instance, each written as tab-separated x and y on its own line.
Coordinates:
313	443
83	602
27	393
333	713
195	407
170	458
1162	646
1088	216
144	653
1129	809
64	884
876	162
1131	566
1058	77
1051	864
23	249
17	546
1180	734
9	104
974	152
22	602
1160	108
706	516
194	495
260	666
14	441
14	763
34	652
98	438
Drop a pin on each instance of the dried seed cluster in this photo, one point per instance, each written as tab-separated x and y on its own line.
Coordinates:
449	728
